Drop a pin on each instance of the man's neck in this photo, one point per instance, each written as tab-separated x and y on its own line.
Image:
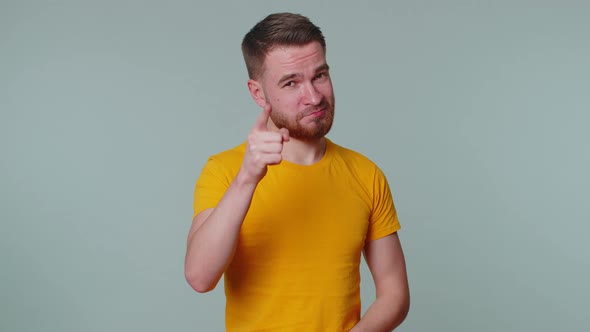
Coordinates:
304	152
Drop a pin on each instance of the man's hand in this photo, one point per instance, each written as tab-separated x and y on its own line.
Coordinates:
264	148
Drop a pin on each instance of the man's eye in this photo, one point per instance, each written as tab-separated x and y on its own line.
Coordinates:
321	75
290	83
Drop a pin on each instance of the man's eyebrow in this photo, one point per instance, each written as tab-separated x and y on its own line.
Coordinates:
323	67
287	77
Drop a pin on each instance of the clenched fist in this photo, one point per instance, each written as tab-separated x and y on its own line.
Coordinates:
264	148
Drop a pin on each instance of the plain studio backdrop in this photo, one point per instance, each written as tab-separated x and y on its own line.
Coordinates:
477	112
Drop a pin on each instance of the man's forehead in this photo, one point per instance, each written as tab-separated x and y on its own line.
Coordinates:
294	50
286	58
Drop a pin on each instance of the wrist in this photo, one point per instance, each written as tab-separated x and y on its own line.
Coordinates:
245	181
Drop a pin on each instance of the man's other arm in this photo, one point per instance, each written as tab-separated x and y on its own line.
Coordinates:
386	262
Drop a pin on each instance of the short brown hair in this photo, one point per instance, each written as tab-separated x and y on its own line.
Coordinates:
280	29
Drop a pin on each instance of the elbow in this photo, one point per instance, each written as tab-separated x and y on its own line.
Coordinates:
198	283
403	309
202	288
399	308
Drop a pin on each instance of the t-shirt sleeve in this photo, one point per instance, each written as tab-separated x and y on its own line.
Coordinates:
383	219
210	187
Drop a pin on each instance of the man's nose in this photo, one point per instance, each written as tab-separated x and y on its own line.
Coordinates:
311	94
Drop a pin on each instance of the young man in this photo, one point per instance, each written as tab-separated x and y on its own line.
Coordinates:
286	215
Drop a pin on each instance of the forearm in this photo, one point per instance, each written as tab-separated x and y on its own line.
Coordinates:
385	314
211	247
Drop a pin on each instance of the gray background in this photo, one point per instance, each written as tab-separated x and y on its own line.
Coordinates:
477	111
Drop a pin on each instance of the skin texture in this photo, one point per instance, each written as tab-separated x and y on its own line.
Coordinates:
297	100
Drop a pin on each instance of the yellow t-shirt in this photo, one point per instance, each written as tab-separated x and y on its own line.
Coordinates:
296	267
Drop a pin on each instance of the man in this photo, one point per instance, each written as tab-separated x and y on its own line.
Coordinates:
286	215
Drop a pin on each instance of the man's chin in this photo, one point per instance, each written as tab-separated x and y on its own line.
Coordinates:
310	135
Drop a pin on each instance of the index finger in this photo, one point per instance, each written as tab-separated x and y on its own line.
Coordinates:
262	120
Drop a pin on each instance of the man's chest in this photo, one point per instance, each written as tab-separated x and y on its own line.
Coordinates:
323	215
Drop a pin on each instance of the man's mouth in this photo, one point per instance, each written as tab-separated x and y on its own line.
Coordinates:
319	111
316	113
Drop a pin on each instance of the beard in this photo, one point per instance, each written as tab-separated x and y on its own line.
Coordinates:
317	127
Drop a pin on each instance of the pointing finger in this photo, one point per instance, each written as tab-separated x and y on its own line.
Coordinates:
262	120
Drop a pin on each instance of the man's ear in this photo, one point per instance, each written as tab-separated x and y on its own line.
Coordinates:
256	92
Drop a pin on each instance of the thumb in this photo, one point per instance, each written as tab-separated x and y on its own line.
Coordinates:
285	133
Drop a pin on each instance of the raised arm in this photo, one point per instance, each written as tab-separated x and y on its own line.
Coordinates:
214	232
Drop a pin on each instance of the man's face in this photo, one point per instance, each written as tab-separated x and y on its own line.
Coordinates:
297	84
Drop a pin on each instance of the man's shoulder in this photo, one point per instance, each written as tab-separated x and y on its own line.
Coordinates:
230	158
351	156
237	151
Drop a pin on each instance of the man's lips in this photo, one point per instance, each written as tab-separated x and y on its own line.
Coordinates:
316	113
